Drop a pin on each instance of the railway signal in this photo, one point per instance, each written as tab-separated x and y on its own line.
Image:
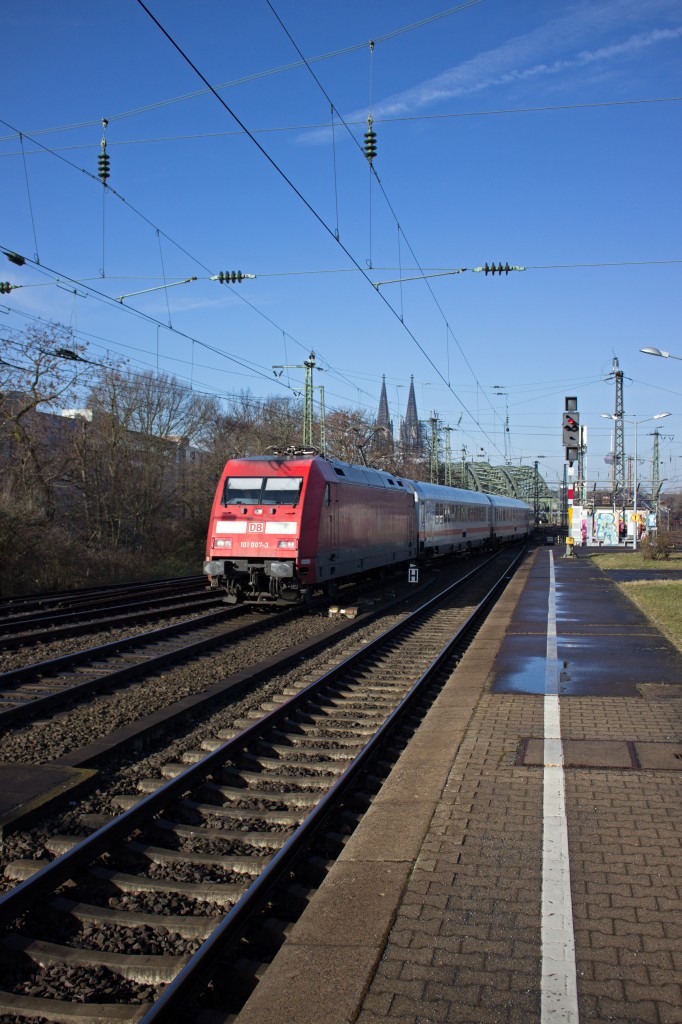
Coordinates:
570	429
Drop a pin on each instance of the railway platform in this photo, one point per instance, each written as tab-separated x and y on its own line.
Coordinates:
523	862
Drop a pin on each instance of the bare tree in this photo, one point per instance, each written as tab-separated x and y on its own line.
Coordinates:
44	370
137	458
349	435
250	426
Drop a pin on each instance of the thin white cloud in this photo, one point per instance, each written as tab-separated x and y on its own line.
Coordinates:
518	60
476	75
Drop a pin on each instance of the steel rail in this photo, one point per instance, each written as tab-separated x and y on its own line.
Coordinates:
64	867
74	597
200	966
66	661
23	711
60	622
19	899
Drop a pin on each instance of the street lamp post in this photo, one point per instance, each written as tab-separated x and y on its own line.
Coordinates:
635	421
635	532
651	351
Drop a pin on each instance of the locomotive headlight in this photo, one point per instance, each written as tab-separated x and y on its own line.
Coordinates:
222	542
286	543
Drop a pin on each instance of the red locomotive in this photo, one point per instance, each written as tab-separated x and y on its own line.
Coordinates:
285	524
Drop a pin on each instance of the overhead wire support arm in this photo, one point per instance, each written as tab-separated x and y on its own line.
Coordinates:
308	418
485	269
421	277
156	288
42	268
295	189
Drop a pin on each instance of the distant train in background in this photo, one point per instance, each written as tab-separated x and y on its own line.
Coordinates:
291	522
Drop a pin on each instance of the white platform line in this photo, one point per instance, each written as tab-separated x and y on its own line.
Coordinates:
559	997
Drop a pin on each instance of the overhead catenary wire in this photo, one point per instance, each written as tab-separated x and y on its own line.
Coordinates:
431	350
396	313
160	233
113	192
307	204
373	173
108	299
428	272
253	368
399	314
336	186
318	126
107	345
354	47
28	193
274	165
250	369
182	384
334	372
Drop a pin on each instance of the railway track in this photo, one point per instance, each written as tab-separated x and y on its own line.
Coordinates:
136	915
53	603
78	615
38	688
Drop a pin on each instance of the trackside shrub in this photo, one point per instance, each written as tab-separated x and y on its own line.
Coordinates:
659	545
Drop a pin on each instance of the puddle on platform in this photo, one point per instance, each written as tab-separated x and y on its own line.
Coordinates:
528	675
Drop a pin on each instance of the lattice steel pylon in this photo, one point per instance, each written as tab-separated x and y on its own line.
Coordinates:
618	467
656	479
308	414
323	440
448	457
434	449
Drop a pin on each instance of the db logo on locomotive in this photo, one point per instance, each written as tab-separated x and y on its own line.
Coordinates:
255	527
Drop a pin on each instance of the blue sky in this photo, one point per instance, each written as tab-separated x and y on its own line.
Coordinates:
546	135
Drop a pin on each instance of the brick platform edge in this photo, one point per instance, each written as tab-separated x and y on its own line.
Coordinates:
325	968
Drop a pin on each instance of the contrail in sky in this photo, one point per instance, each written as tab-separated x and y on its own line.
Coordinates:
515	61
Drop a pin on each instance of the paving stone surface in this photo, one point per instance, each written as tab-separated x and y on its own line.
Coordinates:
465	945
463	942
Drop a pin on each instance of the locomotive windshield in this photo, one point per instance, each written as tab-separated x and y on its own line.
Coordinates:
258	490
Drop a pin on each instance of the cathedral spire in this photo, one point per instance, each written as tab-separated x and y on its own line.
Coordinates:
411	431
383	418
382	415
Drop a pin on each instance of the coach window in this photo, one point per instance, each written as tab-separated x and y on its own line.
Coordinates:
327	494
